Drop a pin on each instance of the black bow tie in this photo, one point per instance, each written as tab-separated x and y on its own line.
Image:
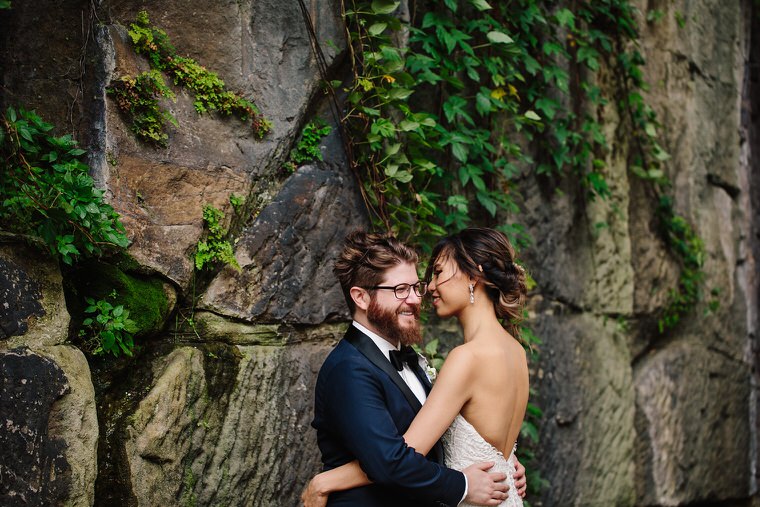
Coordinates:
405	355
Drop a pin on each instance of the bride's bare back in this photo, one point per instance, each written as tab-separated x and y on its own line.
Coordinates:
499	388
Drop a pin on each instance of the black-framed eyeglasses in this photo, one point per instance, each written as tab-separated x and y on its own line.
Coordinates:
401	291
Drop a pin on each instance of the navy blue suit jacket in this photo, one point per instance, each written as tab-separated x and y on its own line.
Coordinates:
362	408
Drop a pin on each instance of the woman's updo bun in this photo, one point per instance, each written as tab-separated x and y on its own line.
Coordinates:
486	254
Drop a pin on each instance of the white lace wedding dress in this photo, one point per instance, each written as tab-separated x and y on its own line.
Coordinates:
464	446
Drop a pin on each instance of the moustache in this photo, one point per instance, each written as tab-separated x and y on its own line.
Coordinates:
413	309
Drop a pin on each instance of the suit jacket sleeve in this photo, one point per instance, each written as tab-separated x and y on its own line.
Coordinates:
356	405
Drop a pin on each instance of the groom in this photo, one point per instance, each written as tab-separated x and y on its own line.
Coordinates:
368	391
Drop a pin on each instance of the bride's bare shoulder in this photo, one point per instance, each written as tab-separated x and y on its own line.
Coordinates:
461	358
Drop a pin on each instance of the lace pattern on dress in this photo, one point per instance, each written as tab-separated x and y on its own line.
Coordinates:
464	446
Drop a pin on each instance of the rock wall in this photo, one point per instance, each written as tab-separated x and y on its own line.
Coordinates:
49	434
216	408
632	417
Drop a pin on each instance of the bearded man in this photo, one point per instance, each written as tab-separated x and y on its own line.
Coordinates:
372	385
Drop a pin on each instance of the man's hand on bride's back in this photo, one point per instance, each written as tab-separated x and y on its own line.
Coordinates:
483	487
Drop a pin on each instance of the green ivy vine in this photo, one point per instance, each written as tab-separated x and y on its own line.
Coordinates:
138	96
440	128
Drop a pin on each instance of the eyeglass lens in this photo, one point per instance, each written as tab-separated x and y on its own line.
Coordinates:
402	290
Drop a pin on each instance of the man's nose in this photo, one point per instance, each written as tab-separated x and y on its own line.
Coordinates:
412	296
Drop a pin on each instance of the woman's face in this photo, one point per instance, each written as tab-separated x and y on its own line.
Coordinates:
448	287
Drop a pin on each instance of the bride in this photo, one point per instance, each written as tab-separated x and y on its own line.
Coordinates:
479	398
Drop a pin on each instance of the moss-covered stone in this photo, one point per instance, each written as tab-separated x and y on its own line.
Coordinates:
144	296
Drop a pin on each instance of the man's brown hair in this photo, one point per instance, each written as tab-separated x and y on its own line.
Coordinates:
366	257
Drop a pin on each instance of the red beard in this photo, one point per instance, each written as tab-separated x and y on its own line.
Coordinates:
386	323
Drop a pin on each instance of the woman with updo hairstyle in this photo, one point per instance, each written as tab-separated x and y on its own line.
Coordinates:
486	256
482	390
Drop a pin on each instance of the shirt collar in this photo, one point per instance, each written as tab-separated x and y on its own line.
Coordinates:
384	345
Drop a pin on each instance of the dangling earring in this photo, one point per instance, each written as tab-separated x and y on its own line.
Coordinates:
472	294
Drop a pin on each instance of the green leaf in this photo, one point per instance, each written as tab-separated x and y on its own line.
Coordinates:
660	154
565	17
384	6
400	93
483	103
460	151
547	106
392	149
377	28
488	203
481	5
408	125
403	176
391	170
499	37
24	132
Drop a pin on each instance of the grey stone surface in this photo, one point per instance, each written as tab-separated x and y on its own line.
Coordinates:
693	431
21	299
33	467
32	306
587	395
49	433
236	431
215	328
286	255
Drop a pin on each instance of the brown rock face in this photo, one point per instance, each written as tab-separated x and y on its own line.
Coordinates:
161	192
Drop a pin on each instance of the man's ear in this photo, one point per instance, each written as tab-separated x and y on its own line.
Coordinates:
360	297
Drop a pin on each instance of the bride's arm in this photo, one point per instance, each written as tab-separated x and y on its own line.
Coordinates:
451	391
344	477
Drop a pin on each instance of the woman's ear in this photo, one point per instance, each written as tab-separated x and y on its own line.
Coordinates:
360	297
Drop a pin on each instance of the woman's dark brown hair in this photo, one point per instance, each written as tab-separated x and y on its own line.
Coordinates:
477	248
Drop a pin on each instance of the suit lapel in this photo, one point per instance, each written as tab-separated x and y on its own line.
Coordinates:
366	346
